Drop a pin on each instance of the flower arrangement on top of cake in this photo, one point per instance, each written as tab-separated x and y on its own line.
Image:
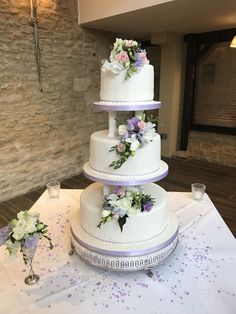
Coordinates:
126	55
123	203
133	136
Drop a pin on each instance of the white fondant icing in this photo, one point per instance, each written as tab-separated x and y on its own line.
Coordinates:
140	227
140	87
146	160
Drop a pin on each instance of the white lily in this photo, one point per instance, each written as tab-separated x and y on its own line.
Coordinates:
134	143
114	66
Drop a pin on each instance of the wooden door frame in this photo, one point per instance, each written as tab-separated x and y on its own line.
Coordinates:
197	46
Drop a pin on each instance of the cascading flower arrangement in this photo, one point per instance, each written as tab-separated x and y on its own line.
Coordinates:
23	233
127	56
124	203
134	135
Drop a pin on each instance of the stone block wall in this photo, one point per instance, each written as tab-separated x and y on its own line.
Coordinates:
212	147
45	136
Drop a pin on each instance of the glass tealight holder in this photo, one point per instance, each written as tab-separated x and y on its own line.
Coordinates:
53	189
198	190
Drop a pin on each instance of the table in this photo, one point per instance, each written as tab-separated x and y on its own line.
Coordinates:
199	277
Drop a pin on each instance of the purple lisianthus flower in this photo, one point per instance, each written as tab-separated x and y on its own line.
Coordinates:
32	242
138	63
117	190
4	232
133	123
125	136
147	206
141	59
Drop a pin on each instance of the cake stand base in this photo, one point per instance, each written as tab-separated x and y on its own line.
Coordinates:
124	257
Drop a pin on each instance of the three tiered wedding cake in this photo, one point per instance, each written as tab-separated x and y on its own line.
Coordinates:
124	222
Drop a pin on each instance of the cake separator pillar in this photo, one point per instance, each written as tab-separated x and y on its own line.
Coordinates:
112	124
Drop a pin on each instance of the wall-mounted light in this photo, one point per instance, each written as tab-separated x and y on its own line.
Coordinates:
233	42
34	23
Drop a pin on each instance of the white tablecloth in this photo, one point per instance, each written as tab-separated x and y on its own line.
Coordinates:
199	277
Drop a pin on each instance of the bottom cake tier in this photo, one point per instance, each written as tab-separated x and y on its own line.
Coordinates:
146	239
132	257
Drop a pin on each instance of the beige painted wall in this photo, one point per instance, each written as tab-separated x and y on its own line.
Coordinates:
170	87
90	10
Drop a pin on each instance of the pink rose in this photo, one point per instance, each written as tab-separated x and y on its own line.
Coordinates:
129	43
120	148
141	124
122	56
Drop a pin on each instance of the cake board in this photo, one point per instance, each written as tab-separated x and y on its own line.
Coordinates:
126	105
122	180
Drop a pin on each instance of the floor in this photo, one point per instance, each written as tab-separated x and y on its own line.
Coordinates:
220	182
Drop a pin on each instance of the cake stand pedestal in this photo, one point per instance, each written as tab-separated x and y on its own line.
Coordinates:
124	256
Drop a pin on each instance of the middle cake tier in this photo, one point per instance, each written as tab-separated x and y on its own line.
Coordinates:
146	160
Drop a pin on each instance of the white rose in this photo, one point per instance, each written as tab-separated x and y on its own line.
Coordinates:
105	213
133	211
30	227
22	215
124	204
18	233
122	129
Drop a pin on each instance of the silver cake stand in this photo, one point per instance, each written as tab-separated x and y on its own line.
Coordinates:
123	256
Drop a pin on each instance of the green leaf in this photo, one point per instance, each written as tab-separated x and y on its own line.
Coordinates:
122	221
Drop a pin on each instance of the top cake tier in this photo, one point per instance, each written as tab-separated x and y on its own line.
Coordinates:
138	88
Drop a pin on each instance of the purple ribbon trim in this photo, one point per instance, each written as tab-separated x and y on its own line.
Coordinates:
126	183
127	253
127	107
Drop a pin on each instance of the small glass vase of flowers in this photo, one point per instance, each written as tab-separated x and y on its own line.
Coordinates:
23	233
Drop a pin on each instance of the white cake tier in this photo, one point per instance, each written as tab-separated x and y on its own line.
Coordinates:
138	228
124	257
146	160
140	87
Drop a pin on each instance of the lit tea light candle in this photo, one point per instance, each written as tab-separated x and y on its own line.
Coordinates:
198	191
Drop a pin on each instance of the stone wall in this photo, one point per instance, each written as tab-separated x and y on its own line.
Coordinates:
45	136
212	147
